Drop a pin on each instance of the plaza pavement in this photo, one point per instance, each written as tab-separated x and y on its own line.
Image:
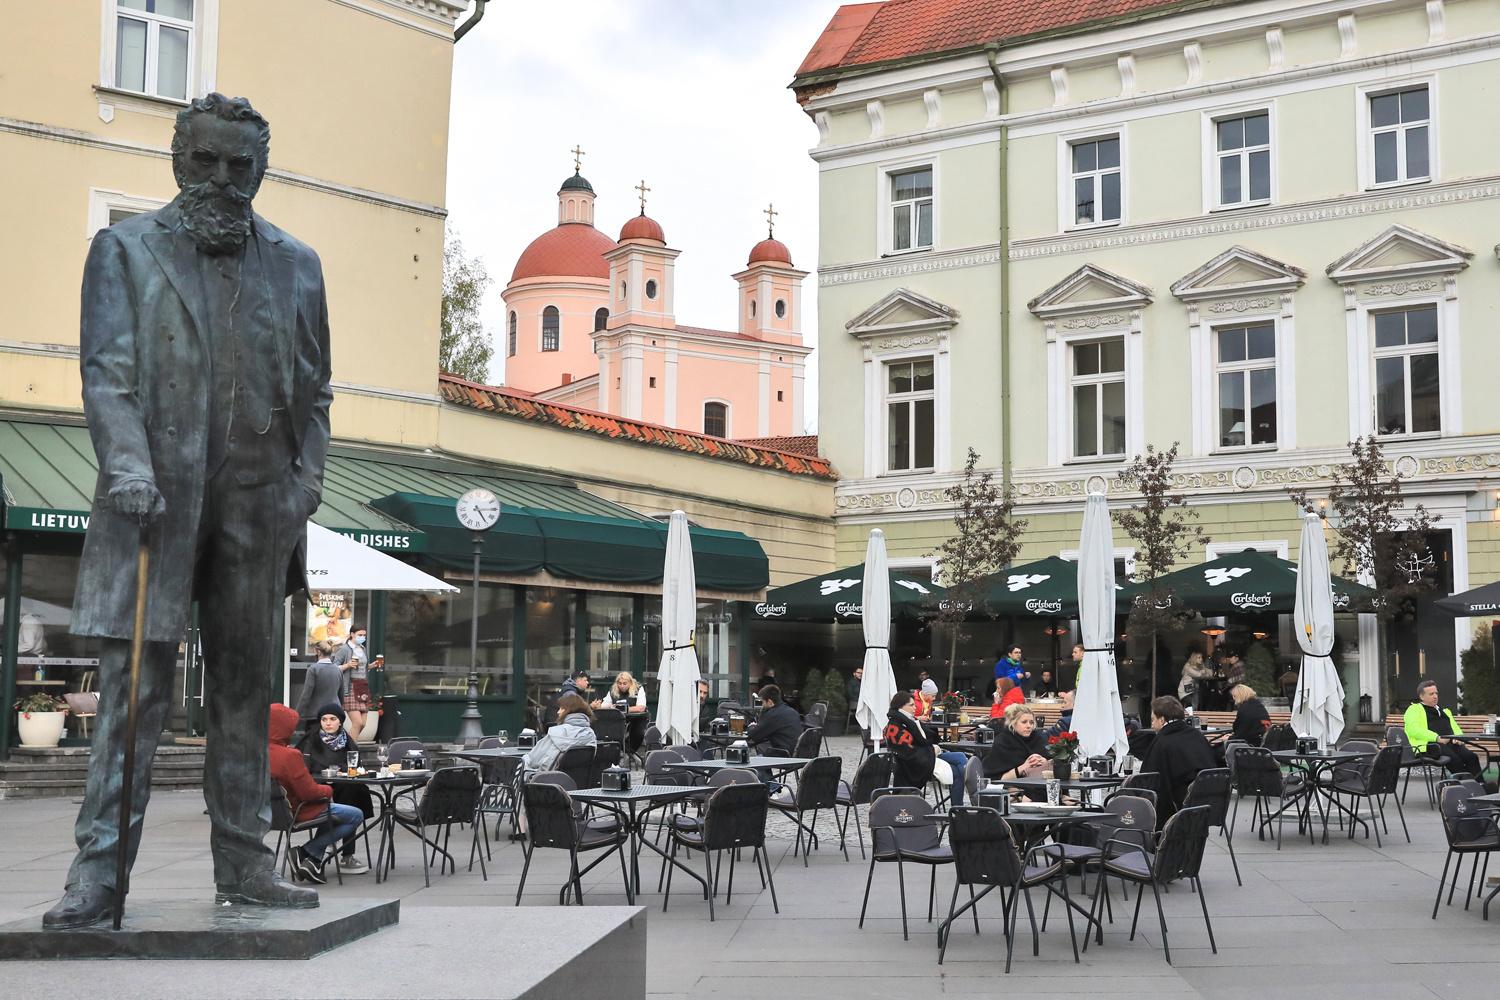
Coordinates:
1336	921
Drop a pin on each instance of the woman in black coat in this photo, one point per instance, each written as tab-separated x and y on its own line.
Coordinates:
915	754
1251	720
1020	749
327	745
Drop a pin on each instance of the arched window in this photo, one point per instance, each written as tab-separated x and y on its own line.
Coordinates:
550	332
716	419
601	319
510	339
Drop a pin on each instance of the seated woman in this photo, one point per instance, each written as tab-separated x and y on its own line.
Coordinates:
916	755
924	698
307	799
1006	695
1251	720
629	696
574	727
328	746
1019	751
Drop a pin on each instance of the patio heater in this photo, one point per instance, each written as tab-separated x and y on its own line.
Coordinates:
477	510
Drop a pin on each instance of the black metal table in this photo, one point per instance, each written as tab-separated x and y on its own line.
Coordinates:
1084	786
973	747
781	765
1312	765
634	807
387	788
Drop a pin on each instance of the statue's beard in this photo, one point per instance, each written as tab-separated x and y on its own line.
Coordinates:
217	218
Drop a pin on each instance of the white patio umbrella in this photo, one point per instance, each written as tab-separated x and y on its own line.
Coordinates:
1318	709
677	676
879	684
1097	717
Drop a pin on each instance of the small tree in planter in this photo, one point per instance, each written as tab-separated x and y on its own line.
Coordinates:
1480	686
838	702
812	689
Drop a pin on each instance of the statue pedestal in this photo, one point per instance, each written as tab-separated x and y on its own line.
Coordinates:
200	929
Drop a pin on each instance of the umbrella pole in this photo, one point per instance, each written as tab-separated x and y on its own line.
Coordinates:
132	720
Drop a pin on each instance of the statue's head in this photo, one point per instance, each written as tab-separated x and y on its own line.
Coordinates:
220	149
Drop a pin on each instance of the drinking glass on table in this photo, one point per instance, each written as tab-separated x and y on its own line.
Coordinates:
503	736
383	755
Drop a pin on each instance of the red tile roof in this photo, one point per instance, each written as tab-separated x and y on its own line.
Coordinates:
571	250
868	33
798	444
773	251
704	331
509	403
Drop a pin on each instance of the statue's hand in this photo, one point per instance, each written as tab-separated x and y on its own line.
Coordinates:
139	499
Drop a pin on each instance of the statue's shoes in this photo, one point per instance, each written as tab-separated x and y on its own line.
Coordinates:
81	906
267	889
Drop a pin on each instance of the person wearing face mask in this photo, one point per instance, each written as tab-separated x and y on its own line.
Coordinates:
327	745
353	658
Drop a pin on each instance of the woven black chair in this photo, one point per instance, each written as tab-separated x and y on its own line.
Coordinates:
903	831
498	796
734	818
1178	854
609	725
576	763
1279	737
606	755
1376	784
817	789
285	823
874	772
1431	768
1130	817
451	796
808	744
985	854
1258	776
1469	830
551	822
1211	788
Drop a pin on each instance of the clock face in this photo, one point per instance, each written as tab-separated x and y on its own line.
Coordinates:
478	510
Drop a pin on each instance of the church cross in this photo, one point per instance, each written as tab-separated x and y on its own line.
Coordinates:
577	159
642	189
770	213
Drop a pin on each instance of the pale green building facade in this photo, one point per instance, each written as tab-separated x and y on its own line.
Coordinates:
1255	229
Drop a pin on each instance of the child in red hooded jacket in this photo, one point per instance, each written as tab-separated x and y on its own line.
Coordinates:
307	798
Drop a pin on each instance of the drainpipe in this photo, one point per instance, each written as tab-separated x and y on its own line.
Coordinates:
991	52
463	29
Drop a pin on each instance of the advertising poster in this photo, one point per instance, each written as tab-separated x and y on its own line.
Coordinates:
329	615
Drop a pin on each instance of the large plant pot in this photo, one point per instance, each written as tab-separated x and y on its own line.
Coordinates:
834	725
40	729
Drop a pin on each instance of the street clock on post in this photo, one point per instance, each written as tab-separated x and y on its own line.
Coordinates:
478	510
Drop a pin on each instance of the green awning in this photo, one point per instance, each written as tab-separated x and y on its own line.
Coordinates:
1047	588
589	547
838	596
514	545
1239	583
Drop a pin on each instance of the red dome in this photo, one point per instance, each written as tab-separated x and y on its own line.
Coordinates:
770	251
642	227
573	250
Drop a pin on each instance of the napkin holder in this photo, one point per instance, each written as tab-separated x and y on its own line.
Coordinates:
1307	744
415	760
526	739
985	734
614	779
939	716
718	727
1101	765
738	753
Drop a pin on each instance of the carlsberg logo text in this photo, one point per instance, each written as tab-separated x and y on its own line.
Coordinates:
846	610
770	610
1041	606
1241	600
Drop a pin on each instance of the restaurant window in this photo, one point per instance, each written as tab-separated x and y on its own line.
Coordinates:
153	47
427	640
1400	139
911	209
551	332
910	402
1242	159
1408	396
716	642
1097	386
1246	382
1096	182
50	658
716	419
611	626
551	616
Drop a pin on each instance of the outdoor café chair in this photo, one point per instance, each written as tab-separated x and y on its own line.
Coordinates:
1375	784
808	744
576	762
606	755
874	772
985	853
1431	768
817	789
1469	830
1280	737
451	796
1177	854
1211	788
1257	775
551	822
609	725
284	822
734	818
903	831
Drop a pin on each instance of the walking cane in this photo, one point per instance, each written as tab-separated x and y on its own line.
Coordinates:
122	848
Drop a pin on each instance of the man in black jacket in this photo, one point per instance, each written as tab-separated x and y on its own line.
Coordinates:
779	724
1176	756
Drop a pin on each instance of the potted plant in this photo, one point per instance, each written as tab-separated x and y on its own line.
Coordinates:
838	703
40	719
1062	748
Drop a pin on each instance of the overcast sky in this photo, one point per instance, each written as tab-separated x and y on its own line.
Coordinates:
689	95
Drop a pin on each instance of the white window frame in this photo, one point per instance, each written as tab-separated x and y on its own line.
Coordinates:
1407	351
203	47
103	200
1366	138
886	399
1065	176
884	228
1244	368
1098	380
541	330
1211	156
1278	547
1125	553
728	414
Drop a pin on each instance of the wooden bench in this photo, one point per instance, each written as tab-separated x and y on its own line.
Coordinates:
1470	725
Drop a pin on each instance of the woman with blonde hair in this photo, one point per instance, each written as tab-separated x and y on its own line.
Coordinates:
1019	750
625	694
1251	720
